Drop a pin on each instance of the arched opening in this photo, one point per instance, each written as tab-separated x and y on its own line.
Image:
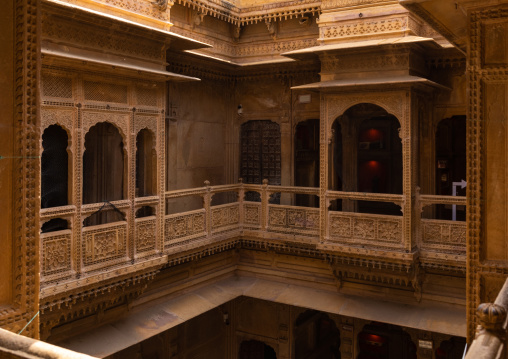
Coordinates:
146	164
452	348
103	164
55	224
367	157
385	341
306	162
316	336
54	167
260	156
145	211
103	172
450	163
255	349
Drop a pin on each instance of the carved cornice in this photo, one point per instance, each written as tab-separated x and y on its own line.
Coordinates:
247	15
335	4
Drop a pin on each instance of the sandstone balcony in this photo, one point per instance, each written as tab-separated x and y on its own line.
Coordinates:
76	257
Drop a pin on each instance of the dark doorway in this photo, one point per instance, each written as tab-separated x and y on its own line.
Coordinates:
452	348
450	163
54	167
254	349
316	336
307	161
385	341
260	156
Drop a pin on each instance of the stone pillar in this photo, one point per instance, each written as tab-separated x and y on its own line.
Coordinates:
487	159
19	166
409	138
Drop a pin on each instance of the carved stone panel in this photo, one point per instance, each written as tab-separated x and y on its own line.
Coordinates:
374	230
56	254
104	243
297	220
183	227
252	214
444	235
495	49
224	216
145	234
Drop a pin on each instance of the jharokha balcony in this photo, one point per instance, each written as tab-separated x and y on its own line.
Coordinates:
140	237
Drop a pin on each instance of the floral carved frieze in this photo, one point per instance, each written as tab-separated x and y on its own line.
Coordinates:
356	228
104	242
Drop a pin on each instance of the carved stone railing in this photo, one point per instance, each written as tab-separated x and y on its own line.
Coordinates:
80	251
184	227
104	245
293	220
440	235
443	235
56	255
362	229
146	236
491	334
225	217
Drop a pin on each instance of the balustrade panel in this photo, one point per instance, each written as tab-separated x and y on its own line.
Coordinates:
145	236
104	245
251	215
184	227
56	256
225	217
366	229
443	235
293	220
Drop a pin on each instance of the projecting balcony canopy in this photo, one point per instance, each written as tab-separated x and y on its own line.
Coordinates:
143	323
95	63
315	51
369	81
176	42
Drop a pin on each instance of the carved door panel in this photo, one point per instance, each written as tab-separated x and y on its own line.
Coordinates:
260	154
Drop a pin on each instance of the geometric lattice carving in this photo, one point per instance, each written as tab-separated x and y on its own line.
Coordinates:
105	92
104	242
223	216
56	86
358	228
289	219
252	214
261	156
146	96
